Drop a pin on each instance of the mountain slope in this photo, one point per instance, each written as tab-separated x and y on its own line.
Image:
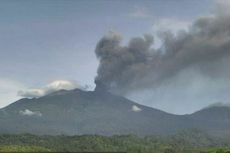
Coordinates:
214	120
80	112
97	112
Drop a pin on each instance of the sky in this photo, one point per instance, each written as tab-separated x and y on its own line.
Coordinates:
46	44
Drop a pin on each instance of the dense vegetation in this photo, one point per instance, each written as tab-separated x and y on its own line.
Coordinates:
184	142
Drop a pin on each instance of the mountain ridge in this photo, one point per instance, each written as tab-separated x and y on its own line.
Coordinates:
77	112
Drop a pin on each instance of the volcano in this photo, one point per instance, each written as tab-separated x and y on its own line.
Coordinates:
79	112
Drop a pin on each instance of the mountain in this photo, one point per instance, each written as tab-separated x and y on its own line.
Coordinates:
214	120
78	112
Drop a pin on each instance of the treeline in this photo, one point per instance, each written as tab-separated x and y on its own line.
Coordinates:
184	142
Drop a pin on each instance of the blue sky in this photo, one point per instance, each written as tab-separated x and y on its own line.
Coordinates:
46	40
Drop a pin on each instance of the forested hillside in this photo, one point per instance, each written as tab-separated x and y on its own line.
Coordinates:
184	142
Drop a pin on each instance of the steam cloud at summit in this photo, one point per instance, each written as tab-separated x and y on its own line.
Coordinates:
205	47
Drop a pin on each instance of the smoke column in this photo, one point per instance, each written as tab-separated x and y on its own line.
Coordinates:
135	66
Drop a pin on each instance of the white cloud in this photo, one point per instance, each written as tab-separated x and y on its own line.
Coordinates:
28	112
222	6
168	24
8	91
52	87
223	3
61	84
135	108
140	13
171	24
32	93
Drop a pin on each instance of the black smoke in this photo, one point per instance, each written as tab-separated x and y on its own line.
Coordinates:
135	66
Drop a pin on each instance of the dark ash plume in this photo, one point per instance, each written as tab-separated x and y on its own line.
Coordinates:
206	47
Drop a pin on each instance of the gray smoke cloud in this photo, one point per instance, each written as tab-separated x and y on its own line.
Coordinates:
205	47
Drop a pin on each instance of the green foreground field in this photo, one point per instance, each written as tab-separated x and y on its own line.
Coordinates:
192	142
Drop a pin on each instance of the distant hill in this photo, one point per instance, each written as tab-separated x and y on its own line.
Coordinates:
78	112
214	120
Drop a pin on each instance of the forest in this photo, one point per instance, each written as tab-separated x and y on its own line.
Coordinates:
184	142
